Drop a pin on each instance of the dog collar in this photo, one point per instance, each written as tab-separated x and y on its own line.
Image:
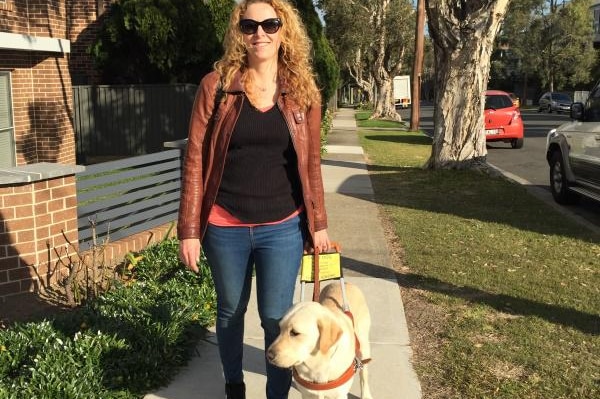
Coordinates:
324	386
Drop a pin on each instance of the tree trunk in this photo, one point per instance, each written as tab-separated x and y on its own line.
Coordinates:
384	105
463	34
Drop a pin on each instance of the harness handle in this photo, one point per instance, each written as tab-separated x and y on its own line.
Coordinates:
316	276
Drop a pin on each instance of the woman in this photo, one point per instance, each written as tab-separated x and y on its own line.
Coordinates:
252	192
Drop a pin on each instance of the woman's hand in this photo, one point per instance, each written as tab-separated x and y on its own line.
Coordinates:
189	253
321	241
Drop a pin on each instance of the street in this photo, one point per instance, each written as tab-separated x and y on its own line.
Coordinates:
529	163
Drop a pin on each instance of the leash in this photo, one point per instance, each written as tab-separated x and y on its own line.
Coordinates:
316	274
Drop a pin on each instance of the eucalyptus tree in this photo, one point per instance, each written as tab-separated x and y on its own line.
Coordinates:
372	39
463	34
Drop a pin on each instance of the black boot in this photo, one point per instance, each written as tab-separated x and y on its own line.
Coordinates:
235	391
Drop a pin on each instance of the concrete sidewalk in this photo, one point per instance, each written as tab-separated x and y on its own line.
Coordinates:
354	223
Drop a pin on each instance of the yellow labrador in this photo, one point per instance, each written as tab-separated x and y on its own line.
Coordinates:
319	341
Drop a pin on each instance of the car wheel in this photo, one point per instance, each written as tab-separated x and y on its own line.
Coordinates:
558	181
516	143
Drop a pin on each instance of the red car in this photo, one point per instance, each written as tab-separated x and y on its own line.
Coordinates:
502	119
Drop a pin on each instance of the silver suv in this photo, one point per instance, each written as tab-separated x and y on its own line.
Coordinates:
573	152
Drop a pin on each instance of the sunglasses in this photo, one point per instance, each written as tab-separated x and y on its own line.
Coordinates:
270	26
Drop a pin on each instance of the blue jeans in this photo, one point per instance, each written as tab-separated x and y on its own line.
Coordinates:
275	251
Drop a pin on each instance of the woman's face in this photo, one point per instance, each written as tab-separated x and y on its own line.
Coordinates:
261	46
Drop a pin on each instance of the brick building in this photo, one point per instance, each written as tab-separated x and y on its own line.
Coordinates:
42	52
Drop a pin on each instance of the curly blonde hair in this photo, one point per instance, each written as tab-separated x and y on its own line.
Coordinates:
295	67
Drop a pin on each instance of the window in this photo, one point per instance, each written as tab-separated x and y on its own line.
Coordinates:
497	101
7	129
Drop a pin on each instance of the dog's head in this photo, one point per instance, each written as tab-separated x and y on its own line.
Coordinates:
307	330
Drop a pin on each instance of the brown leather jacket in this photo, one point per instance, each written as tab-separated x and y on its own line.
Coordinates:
205	154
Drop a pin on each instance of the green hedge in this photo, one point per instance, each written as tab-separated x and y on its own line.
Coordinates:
123	344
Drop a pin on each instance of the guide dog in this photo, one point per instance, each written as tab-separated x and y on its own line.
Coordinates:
324	345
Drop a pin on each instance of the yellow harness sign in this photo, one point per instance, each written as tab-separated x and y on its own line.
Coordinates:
330	267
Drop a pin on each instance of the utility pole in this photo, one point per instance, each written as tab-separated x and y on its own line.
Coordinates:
418	66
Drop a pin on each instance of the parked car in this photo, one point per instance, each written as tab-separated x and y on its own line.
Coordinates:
553	101
573	153
515	99
502	119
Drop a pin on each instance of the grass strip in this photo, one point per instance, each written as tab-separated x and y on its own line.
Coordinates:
511	285
363	119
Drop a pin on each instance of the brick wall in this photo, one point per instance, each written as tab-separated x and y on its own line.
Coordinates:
32	219
45	18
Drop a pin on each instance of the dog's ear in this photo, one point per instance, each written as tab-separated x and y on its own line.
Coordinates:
329	333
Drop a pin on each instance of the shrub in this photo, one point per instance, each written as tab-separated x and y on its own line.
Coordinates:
124	343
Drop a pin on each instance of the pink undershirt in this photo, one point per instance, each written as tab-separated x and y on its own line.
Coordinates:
219	216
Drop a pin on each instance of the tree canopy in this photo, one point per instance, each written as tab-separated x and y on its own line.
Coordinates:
168	41
549	41
158	41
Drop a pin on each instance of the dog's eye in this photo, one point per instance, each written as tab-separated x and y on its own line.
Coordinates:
294	333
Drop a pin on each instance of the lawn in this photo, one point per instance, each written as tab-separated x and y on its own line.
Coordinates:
501	291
